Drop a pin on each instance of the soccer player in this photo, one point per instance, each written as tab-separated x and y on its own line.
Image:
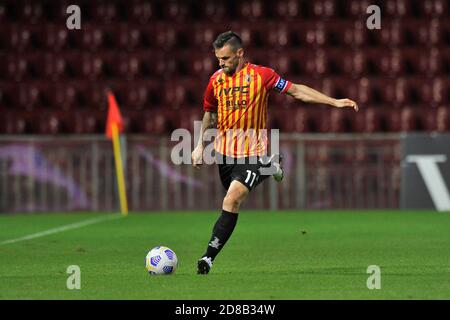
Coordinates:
235	102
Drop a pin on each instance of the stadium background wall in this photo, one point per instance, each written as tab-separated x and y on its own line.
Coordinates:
73	173
425	177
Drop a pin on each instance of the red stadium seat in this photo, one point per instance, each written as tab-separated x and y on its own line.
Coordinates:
410	120
86	123
212	10
346	34
423	61
443	119
357	8
28	97
142	12
64	96
161	66
372	119
424	33
56	38
49	123
127	66
130	124
104	12
302	120
316	63
285	63
358	90
135	95
15	123
290	10
200	65
155	90
383	62
437	119
15	67
252	35
396	8
327	85
204	35
95	96
274	120
395	92
87	66
339	120
128	38
147	36
57	12
20	38
390	35
312	34
319	119
433	91
188	117
49	66
281	101
404	120
179	94
292	119
323	9
31	12
434	8
393	120
174	10
251	10
158	121
429	119
430	62
166	36
92	38
347	62
280	37
360	120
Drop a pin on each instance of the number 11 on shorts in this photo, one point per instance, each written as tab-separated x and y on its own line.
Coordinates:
249	174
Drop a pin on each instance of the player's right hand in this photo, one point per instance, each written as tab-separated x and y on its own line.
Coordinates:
342	103
197	157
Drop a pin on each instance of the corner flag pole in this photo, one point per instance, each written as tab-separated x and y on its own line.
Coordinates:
114	125
119	170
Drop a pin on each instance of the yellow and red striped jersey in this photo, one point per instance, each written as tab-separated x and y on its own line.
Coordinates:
241	105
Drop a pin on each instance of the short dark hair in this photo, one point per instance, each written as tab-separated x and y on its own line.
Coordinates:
231	38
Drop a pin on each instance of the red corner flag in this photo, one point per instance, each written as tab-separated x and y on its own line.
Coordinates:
114	115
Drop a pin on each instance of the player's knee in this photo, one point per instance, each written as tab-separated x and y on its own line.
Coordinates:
233	200
231	204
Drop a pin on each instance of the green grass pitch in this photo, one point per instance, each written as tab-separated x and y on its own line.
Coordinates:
271	255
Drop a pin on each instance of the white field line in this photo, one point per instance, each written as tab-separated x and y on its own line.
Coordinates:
63	228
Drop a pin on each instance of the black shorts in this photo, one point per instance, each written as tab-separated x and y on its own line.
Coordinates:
245	170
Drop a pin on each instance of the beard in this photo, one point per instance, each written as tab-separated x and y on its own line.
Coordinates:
229	70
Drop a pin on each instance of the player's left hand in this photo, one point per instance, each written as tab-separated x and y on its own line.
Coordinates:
346	103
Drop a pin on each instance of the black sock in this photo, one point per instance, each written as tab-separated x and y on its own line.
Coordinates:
221	233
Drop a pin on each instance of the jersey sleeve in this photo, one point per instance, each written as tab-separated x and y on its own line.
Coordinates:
209	100
273	81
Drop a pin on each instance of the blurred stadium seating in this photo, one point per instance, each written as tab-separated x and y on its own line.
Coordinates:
157	58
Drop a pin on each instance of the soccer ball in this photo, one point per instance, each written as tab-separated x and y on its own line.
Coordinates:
161	260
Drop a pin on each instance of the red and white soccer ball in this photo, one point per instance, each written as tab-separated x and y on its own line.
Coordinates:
161	260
